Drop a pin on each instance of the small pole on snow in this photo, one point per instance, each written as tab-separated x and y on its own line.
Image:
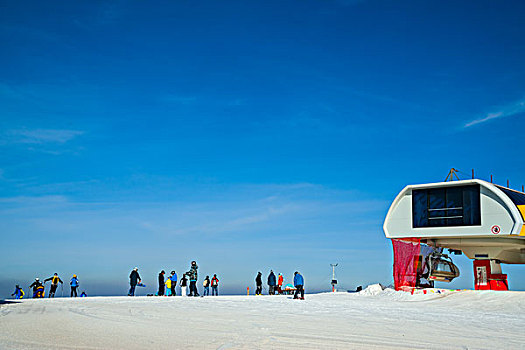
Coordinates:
334	281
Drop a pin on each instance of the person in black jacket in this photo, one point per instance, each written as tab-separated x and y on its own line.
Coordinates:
258	283
54	284
183	285
134	278
162	283
37	288
272	282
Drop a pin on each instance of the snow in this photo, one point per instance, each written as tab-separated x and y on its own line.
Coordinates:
372	319
373	289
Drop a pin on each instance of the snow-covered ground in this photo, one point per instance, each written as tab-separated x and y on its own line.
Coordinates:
373	319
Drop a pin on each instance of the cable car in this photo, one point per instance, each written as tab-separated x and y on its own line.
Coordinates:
441	268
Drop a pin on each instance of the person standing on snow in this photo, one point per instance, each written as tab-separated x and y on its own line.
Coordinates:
134	278
37	288
258	283
183	285
206	285
168	286
298	282
280	281
271	283
19	293
161	283
192	274
54	284
173	279
214	285
74	285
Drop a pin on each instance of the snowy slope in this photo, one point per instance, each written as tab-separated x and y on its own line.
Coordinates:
371	320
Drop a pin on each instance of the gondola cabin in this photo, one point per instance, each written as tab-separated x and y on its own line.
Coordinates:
480	219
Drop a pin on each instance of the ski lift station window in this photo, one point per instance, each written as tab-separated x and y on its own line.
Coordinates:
446	206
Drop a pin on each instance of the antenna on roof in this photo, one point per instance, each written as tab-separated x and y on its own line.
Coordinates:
451	174
334	281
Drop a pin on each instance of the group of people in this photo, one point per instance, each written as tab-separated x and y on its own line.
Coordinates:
39	287
167	285
275	284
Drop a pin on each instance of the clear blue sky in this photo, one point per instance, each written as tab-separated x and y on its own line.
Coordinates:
247	135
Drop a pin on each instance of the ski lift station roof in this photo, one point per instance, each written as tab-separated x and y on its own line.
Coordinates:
482	219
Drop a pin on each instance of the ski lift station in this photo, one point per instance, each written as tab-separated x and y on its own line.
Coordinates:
475	217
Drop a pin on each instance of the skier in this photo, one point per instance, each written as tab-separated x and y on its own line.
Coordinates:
161	283
54	284
298	282
83	295
19	293
271	283
192	274
173	279
214	285
74	285
280	281
37	288
134	278
183	285
258	282
206	285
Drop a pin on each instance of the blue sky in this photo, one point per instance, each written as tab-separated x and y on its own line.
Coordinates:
245	135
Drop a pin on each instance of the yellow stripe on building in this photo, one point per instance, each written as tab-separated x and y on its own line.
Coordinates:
522	211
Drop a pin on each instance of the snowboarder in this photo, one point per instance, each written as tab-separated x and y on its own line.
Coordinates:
192	274
83	295
134	278
161	283
173	279
206	285
258	283
74	285
54	284
38	288
19	293
280	281
298	282
214	285
183	285
271	283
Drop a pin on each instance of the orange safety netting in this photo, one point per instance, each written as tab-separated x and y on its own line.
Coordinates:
406	252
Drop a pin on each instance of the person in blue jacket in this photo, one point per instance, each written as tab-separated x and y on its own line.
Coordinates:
74	285
298	282
173	278
19	293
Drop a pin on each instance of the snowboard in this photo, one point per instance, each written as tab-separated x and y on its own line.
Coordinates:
141	285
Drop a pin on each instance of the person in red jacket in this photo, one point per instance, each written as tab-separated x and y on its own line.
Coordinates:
280	281
214	285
